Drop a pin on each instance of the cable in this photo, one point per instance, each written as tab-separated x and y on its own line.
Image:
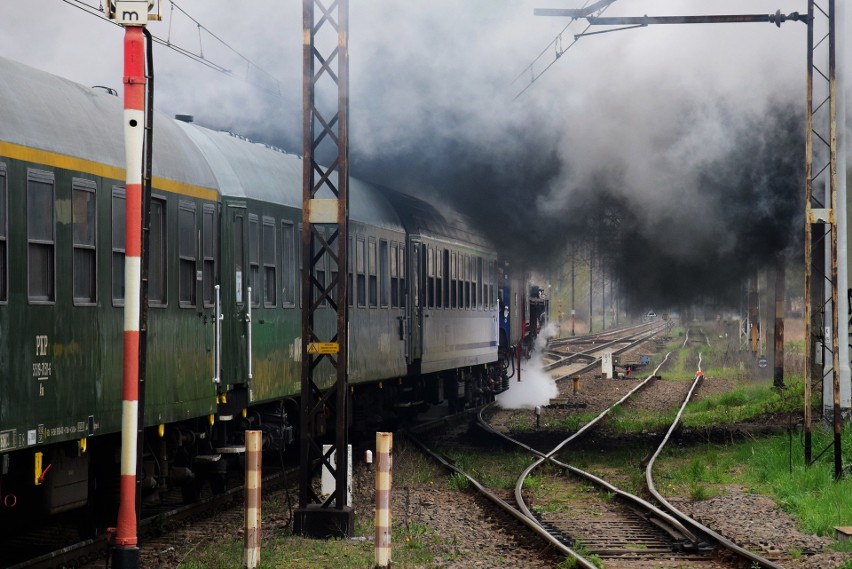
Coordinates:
557	47
224	43
197	57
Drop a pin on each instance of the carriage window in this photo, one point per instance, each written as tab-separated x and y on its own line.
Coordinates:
360	267
254	259
440	281
350	262
430	277
477	290
4	274
454	280
446	270
460	267
332	266
394	276
269	269
319	267
40	237
487	286
83	220
208	254
462	279
118	246
187	253
157	244
403	292
467	274
384	274
464	286
492	278
289	266
239	255
373	270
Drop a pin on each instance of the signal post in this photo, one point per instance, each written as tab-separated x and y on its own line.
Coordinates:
133	15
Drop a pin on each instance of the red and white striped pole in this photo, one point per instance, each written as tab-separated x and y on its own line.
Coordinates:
134	16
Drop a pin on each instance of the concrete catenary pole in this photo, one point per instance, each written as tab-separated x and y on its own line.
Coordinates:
843	64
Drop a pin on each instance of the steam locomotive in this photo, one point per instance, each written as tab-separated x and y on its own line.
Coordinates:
224	314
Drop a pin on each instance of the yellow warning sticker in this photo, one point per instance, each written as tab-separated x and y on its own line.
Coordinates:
323	347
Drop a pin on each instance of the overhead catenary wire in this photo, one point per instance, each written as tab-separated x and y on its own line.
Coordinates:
272	86
250	64
556	46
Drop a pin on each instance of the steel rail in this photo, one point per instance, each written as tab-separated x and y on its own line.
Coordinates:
725	542
519	485
525	515
528	521
721	540
685	533
589	353
583	339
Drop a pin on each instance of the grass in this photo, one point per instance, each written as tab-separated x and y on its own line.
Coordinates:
414	544
494	468
574	421
520	422
773	466
458	481
743	403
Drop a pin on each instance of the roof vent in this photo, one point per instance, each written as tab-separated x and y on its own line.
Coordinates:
184	118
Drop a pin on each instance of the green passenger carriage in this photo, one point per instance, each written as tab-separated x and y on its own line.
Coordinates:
224	315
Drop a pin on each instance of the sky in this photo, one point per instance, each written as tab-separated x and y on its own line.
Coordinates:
678	149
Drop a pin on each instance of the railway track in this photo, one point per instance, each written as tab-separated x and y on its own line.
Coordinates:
614	523
567	364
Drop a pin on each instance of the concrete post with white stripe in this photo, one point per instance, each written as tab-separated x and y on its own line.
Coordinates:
384	468
251	549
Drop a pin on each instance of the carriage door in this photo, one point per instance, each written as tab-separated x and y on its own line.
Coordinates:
236	304
415	303
210	295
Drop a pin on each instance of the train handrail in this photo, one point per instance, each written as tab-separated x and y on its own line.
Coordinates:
248	335
217	339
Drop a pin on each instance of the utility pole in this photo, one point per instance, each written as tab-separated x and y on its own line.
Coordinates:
591	286
573	289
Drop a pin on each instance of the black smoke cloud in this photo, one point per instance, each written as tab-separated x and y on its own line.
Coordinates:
749	215
713	221
657	143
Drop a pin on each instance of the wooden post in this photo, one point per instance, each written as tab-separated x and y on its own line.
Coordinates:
251	545
384	467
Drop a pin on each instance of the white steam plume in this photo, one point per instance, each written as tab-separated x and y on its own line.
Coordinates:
536	386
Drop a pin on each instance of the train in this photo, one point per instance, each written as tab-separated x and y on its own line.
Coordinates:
434	313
